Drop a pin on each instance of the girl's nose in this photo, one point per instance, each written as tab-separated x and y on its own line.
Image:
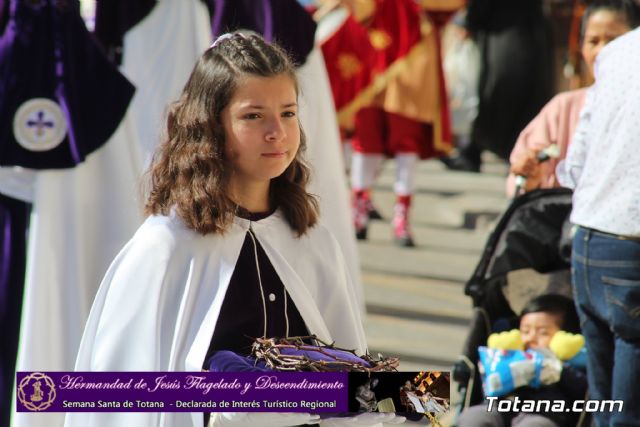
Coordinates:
275	131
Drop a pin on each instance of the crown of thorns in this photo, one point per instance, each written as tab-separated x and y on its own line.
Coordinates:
296	354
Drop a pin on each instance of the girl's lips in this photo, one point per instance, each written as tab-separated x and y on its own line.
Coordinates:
275	155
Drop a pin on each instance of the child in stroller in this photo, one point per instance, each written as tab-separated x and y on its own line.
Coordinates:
528	254
547	325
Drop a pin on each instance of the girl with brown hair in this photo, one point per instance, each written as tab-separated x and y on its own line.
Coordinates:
232	249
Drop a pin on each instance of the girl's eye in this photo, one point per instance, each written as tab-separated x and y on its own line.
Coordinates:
289	114
251	116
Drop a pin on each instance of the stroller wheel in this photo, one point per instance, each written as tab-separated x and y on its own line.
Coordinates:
461	372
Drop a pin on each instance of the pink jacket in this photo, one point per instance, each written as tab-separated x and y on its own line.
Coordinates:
555	124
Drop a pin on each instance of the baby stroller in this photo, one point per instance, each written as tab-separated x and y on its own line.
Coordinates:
528	254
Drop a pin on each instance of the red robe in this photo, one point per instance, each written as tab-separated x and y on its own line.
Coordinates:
400	74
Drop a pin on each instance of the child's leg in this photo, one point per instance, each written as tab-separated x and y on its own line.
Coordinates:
363	172
347	154
406	137
367	157
404	187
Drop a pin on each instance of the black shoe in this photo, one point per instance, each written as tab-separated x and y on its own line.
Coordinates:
405	242
460	163
374	214
361	234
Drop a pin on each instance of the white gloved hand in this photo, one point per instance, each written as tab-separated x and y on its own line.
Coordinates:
263	419
364	419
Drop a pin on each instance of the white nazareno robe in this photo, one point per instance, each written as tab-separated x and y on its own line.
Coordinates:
158	305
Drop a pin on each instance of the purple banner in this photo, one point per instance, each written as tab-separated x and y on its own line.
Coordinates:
182	392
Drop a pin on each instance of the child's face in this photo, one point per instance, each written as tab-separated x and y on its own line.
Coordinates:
261	129
537	329
602	27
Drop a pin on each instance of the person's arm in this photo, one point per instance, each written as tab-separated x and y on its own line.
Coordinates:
132	317
538	135
131	323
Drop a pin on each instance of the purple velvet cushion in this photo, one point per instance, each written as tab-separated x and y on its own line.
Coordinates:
228	361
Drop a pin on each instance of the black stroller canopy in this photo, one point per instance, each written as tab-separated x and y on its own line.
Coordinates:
533	233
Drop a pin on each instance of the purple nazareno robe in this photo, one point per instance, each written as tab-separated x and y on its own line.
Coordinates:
60	97
283	21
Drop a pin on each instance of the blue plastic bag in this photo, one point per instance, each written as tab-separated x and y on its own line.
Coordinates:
503	371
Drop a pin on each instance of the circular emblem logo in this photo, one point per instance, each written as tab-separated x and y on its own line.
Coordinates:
39	125
37	391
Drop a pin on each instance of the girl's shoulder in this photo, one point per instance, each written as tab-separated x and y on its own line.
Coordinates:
276	223
158	238
161	228
316	240
320	235
169	233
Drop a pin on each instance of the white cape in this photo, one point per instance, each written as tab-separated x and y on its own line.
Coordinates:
159	303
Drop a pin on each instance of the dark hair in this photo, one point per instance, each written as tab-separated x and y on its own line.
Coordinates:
558	305
628	9
191	172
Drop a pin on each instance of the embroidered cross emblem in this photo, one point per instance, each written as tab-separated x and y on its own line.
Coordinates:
40	123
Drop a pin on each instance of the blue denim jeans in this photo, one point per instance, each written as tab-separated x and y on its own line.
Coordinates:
606	286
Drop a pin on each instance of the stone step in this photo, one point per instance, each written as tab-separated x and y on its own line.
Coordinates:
417	299
426	263
432	176
447	213
428	237
418	344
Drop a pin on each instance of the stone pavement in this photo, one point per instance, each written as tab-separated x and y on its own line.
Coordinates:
415	298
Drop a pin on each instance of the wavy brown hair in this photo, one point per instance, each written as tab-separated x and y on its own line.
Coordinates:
190	171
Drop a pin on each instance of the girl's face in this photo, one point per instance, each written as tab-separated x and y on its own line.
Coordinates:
602	27
261	129
537	329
